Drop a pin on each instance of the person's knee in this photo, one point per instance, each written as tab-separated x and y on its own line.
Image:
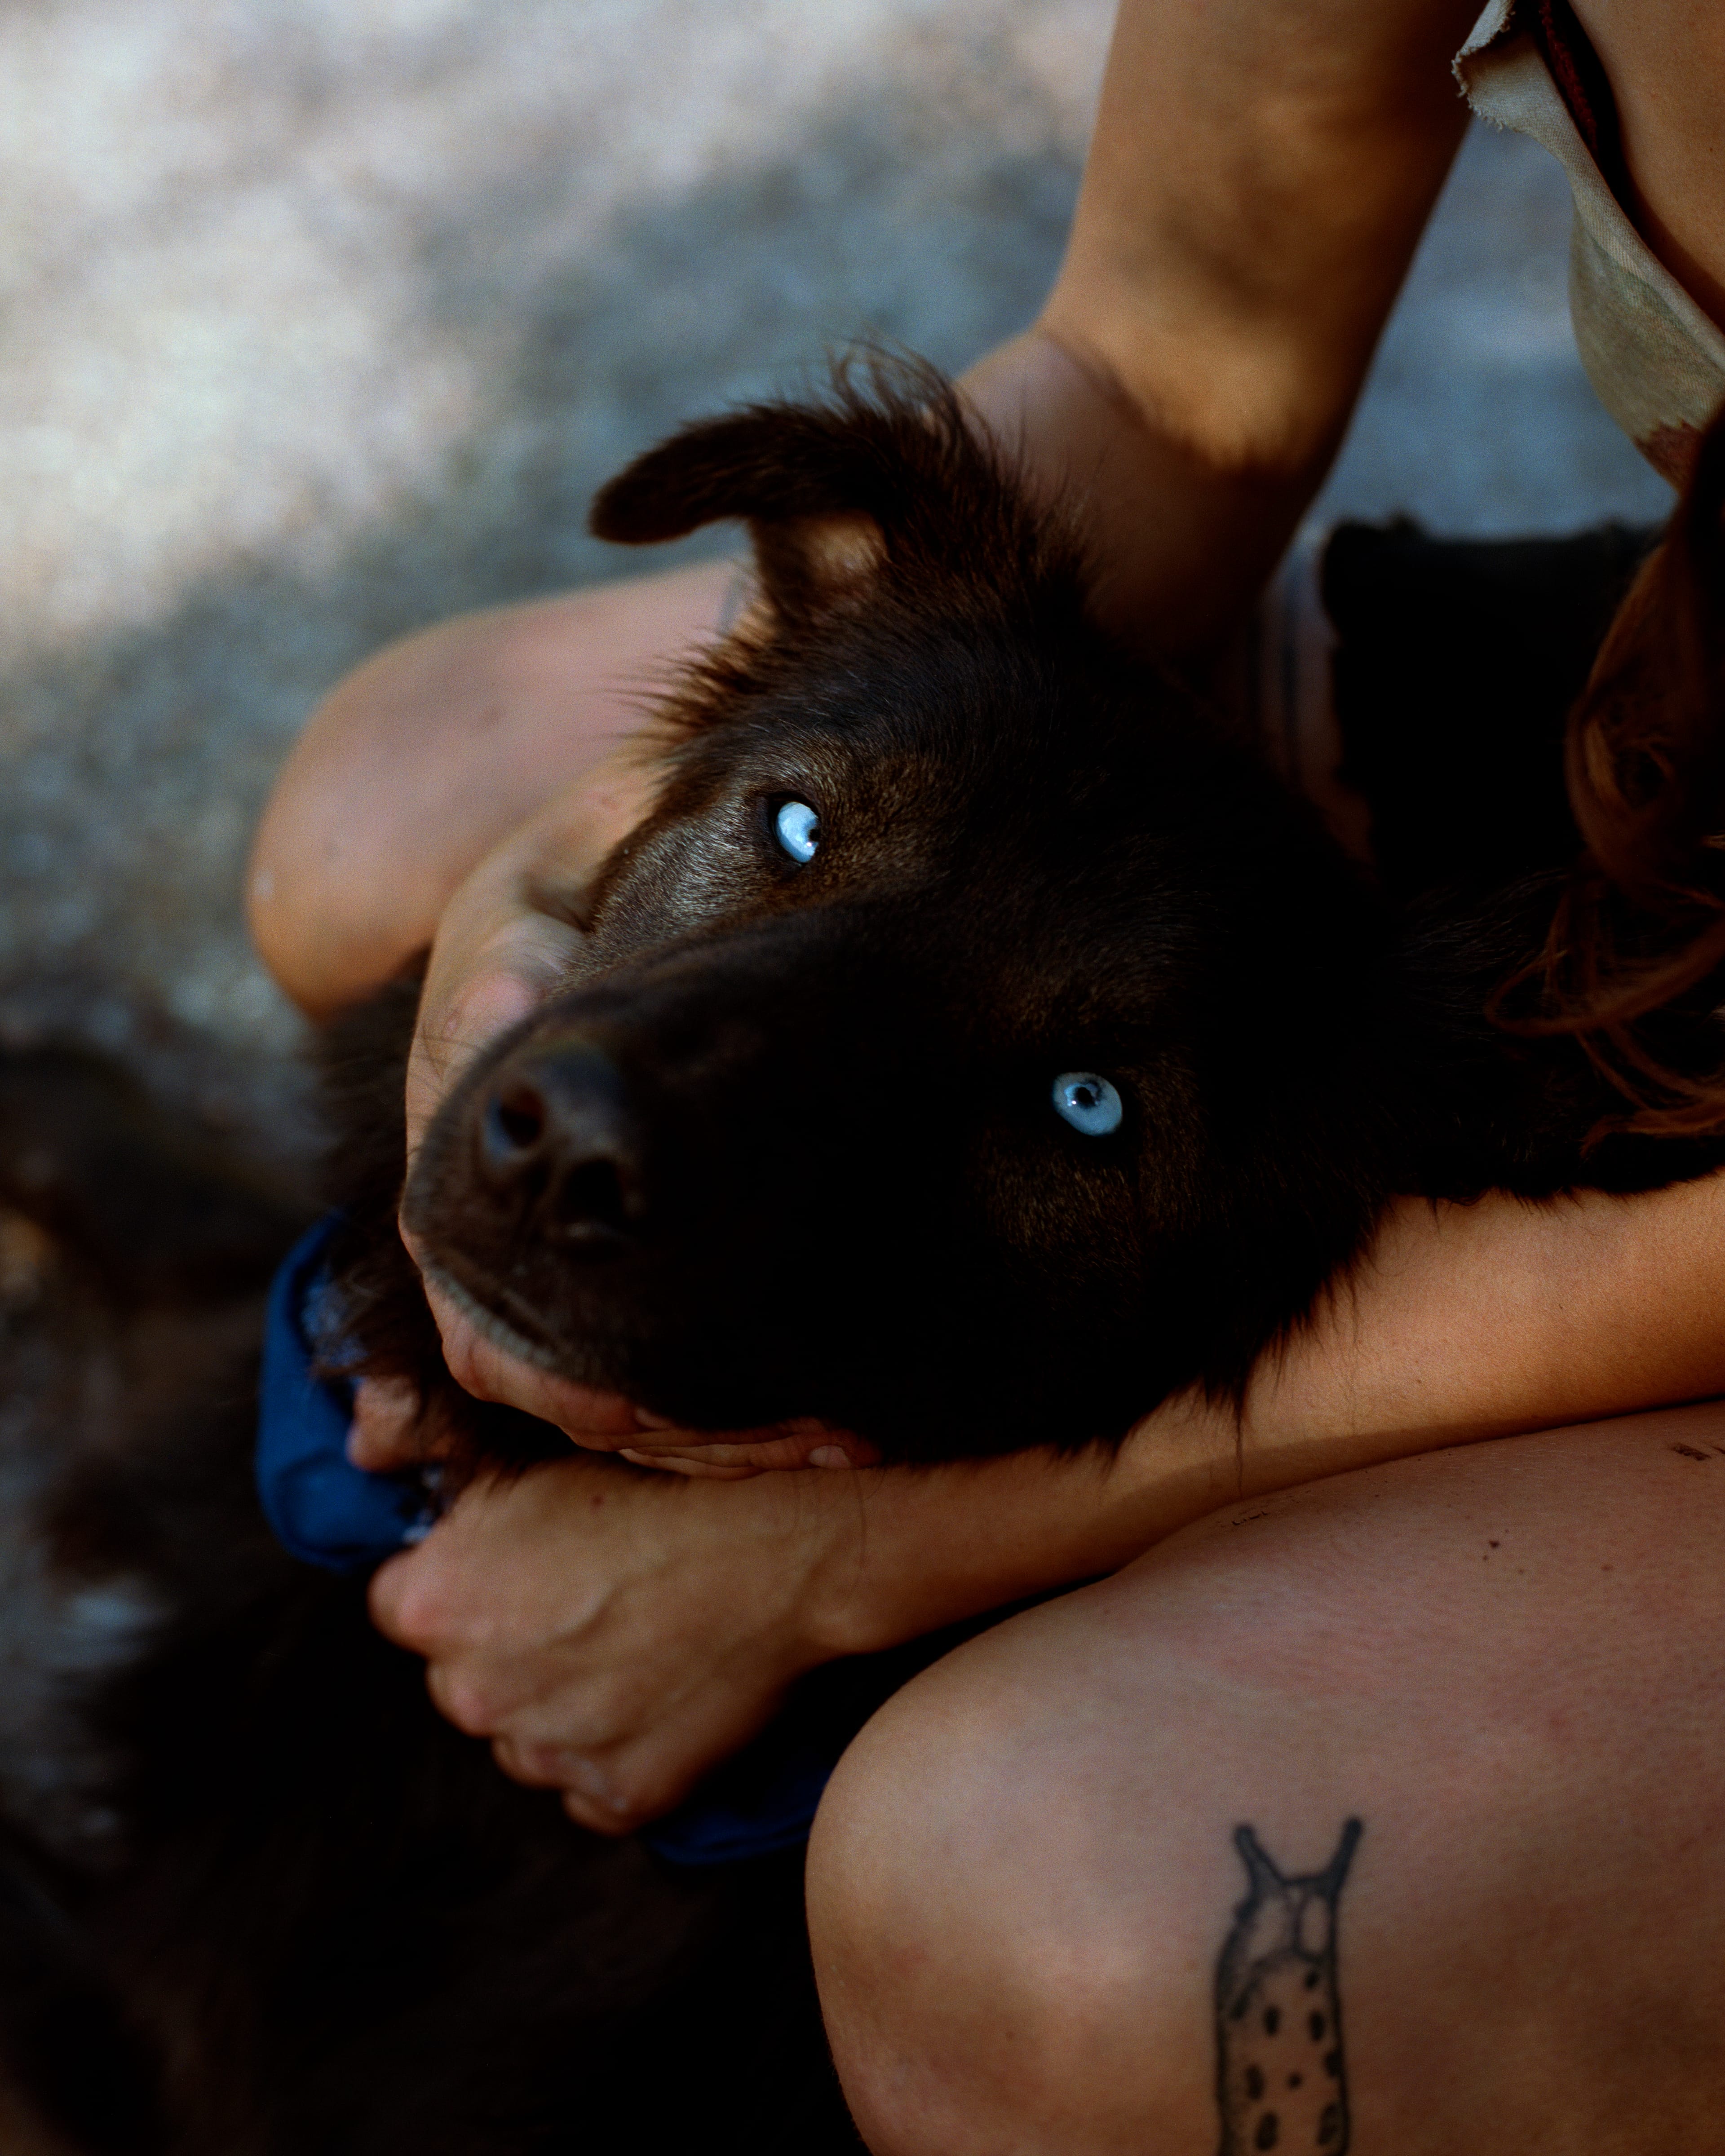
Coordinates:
424	757
992	1980
1025	1869
1026	1880
351	862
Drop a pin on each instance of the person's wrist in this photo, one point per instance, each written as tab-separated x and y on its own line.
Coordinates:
855	1582
900	1551
1180	540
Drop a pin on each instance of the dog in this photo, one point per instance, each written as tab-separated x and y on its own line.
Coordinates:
975	1045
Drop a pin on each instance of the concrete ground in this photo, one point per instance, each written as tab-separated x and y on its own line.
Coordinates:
322	318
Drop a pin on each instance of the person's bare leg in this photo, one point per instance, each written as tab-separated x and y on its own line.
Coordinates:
422	759
1507	1661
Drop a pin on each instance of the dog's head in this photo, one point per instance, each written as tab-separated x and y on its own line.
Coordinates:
966	1050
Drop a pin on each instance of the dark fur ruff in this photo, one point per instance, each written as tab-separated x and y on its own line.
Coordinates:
851	1198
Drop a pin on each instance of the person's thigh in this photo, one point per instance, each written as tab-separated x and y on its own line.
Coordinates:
420	759
1034	1923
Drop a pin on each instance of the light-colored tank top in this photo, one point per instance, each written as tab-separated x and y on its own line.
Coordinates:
1656	360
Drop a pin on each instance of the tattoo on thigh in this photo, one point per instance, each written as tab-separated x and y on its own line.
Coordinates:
1281	2081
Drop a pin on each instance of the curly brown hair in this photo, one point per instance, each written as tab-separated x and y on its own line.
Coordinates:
1639	925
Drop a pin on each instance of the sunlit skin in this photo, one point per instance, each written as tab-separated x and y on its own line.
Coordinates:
1666	60
1523	1737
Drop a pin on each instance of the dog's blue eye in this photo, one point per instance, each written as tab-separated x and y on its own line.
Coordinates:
799	829
1089	1103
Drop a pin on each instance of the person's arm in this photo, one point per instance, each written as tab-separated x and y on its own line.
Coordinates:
616	1635
1258	178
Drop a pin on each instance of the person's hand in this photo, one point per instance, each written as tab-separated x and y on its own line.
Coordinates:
390	1429
503	945
615	1634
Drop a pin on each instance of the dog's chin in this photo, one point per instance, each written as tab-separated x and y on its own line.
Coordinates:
632	1368
695	1376
520	1336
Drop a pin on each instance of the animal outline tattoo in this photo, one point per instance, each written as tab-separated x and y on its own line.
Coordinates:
1282	2080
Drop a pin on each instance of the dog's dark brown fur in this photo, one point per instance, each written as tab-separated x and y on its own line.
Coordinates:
305	1915
792	1150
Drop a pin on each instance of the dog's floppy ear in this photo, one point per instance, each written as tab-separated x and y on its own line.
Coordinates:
828	491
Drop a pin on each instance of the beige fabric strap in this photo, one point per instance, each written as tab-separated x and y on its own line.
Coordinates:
1656	360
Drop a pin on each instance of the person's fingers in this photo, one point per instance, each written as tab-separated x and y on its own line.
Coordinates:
423	1599
597	1818
690	1465
607	1422
590	1795
612	1789
494	1667
597	1627
486	973
615	1786
620	1755
399	1605
479	1367
796	1445
389	1429
507	935
615	1789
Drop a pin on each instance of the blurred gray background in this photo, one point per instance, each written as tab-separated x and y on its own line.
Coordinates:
324	317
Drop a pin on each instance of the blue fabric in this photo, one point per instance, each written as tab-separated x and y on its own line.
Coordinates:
321	1508
326	1511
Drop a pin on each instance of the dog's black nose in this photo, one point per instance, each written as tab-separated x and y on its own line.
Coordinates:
556	1139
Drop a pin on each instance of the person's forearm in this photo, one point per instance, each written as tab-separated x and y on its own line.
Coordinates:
1477	1322
1260	175
1465	1323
